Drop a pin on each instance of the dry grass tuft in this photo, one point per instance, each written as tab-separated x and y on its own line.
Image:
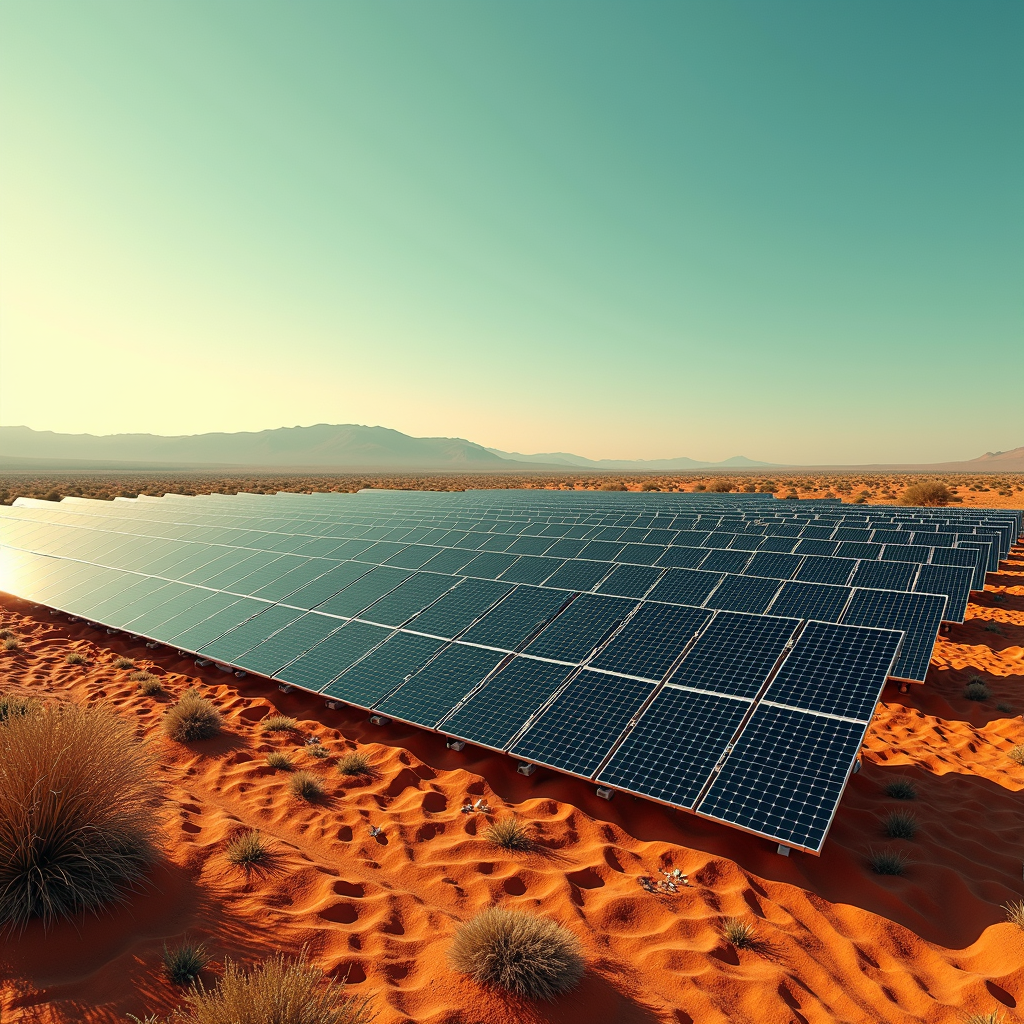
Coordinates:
280	761
995	1017
355	764
279	990
317	750
246	849
11	644
192	718
900	825
6	634
306	787
149	685
509	834
888	862
740	933
123	662
977	691
279	723
76	826
521	953
184	962
901	789
13	706
1015	913
1016	753
74	658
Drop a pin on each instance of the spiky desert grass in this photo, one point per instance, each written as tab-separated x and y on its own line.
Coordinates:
509	834
529	956
75	658
1016	753
740	933
888	862
1015	913
993	1017
149	684
247	849
355	764
192	718
317	750
279	723
306	787
123	662
6	634
281	990
184	962
13	706
77	828
282	762
901	789
900	825
12	643
977	691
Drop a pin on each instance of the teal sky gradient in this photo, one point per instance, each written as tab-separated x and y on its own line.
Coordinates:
791	230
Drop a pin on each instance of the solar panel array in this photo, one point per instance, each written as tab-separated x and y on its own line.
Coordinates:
720	655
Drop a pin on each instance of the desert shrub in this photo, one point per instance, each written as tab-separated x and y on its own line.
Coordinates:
355	764
279	990
994	1017
977	691
521	953
278	760
317	750
76	826
888	862
993	627
900	825
246	849
615	485
184	962
1004	707
74	658
124	663
509	834
278	723
739	933
901	789
6	634
13	706
306	786
11	644
192	718
149	685
1015	913
1016	753
930	492
719	487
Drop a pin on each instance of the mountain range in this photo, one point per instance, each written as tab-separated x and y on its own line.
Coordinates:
351	447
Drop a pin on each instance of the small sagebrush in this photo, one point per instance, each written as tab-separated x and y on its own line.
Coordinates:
11	644
306	787
192	718
355	764
977	691
1015	913
739	933
6	634
529	956
124	663
247	849
184	963
279	723
280	761
149	685
509	834
1016	753
900	825
13	706
77	828
888	862
74	658
317	750
279	990
993	627
901	789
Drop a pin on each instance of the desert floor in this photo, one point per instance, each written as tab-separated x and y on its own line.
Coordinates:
835	941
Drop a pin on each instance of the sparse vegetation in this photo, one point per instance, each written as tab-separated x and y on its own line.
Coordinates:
740	933
901	789
6	634
306	787
184	962
76	822
124	663
12	644
900	825
282	762
192	718
1016	753
1004	707
278	723
529	956
888	862
993	627
355	764
509	834
247	849
149	684
930	492
993	1017
977	691
75	658
1015	913
279	990
13	706
317	750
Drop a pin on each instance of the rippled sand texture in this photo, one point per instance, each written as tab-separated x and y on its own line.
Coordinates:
835	941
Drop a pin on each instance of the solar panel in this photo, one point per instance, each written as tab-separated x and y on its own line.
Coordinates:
317	666
725	561
408	598
234	644
744	594
630	580
649	644
279	648
579	575
686	586
459	608
380	672
369	588
952	580
819	569
670	753
530	569
516	618
884	575
773	565
577	731
580	628
811	601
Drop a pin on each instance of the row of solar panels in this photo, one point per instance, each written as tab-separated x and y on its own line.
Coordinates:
346	588
686	706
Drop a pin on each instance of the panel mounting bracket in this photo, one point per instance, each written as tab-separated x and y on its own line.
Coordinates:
605	792
456	744
782	850
526	769
284	687
379	720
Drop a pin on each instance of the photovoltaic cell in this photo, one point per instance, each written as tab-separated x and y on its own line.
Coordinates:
511	622
884	575
686	586
670	753
369	588
683	557
650	642
530	569
773	565
952	580
810	601
630	580
322	663
725	561
580	628
578	575
459	608
408	598
277	650
817	569
250	633
376	675
329	584
577	731
743	594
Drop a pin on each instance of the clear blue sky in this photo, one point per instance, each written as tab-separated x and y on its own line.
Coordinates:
790	230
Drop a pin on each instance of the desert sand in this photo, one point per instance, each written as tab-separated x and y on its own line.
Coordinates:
835	941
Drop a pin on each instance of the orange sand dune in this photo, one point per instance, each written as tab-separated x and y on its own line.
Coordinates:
837	943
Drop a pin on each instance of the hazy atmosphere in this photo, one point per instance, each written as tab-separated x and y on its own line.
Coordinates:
788	232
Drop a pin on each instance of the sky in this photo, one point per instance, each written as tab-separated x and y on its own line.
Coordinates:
792	231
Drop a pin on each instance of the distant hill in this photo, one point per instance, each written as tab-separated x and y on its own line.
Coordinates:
631	465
